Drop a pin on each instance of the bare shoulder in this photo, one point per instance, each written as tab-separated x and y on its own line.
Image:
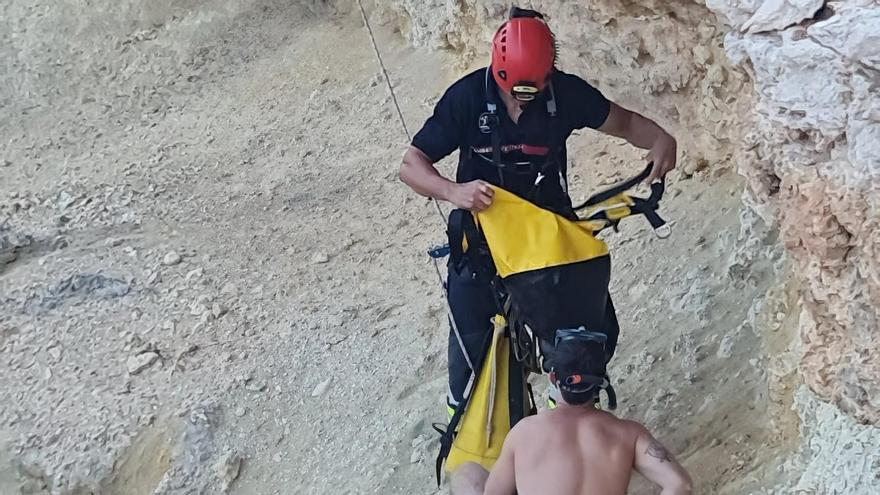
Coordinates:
527	424
633	429
522	430
633	426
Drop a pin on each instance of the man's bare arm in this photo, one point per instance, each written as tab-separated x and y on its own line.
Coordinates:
643	133
502	479
654	462
419	173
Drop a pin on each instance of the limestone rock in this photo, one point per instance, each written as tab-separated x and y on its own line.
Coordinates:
811	164
854	32
800	84
171	258
837	445
725	348
140	362
227	469
321	388
734	12
779	14
218	310
7	256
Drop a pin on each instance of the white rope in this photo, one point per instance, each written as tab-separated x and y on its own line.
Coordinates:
393	95
436	203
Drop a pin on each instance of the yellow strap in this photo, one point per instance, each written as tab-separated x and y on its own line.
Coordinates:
615	207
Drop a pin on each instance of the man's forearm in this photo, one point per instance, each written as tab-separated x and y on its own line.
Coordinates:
642	131
419	174
638	130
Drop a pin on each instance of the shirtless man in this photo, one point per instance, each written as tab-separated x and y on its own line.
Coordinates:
577	449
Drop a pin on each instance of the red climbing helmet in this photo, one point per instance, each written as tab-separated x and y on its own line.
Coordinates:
523	54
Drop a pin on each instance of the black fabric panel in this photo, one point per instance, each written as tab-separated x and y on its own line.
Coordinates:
517	392
568	296
611	329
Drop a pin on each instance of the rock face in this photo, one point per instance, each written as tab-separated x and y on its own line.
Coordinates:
838	446
813	164
755	16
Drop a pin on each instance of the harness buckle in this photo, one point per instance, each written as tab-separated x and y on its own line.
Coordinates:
663	231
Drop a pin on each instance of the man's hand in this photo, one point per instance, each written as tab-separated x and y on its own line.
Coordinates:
643	133
418	172
473	196
663	153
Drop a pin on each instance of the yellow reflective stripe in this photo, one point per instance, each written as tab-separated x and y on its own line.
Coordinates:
450	411
615	208
524	237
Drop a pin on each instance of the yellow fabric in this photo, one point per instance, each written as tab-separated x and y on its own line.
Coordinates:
486	420
615	207
524	237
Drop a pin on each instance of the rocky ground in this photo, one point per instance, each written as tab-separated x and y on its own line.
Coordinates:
212	279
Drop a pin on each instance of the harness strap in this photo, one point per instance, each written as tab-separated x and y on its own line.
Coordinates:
631	205
494	126
496	151
612	397
455	233
519	390
617	189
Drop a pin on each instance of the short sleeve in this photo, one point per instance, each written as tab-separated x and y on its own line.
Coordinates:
442	132
585	105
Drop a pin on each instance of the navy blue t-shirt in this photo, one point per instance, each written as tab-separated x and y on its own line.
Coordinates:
531	150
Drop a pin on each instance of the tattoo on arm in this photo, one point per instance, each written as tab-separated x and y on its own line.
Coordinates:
657	450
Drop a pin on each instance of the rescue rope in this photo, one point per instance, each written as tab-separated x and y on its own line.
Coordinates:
434	200
393	95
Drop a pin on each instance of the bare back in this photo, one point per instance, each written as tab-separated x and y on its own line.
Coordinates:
581	451
575	451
